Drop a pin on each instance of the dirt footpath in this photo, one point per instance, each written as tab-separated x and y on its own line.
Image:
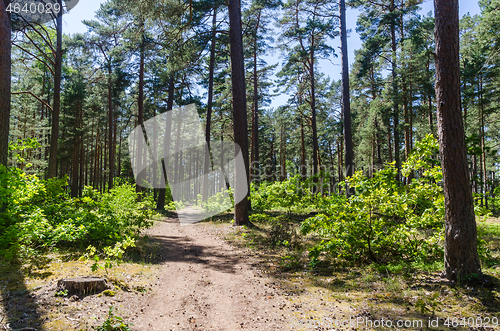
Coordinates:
206	284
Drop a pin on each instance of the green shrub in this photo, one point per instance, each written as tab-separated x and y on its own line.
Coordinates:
41	215
290	195
218	202
385	222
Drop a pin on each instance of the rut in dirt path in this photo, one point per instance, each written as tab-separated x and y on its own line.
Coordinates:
205	284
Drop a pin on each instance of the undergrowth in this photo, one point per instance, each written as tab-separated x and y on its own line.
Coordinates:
39	215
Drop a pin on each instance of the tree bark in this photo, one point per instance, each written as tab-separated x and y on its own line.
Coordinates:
484	177
160	205
54	132
209	106
460	252
303	167
111	146
395	90
140	98
5	81
255	164
239	106
75	168
313	121
346	99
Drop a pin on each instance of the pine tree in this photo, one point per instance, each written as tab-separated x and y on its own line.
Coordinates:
346	98
56	106
5	80
239	106
460	253
307	24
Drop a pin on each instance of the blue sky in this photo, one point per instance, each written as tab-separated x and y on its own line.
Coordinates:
86	8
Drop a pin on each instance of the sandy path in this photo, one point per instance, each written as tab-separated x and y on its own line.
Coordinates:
205	284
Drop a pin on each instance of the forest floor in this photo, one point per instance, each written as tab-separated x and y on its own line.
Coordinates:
214	276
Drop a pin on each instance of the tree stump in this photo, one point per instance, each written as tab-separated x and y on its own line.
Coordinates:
82	285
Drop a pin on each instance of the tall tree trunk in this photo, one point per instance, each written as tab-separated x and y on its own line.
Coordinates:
103	161
346	99
5	81
115	130
106	159
75	180
283	154
484	179
140	101
209	106
111	145
83	170
379	145
313	120
303	167
339	161
255	118
239	107
96	158
406	102
54	132
332	167
395	90
160	205
429	96
460	254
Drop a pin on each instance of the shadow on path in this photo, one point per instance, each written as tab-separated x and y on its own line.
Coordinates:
179	247
20	310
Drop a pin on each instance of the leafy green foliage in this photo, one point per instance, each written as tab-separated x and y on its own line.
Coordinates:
217	202
112	254
383	221
114	323
22	146
291	195
61	293
428	304
40	214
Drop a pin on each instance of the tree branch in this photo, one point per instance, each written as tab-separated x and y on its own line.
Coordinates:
33	95
36	57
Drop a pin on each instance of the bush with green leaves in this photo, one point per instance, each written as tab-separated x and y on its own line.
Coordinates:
290	195
217	202
39	214
383	221
111	254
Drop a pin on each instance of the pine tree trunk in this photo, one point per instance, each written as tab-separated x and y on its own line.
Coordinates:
255	118
140	114
346	99
96	158
313	120
75	167
429	97
83	162
209	107
484	178
5	81
395	90
54	133
160	205
460	254
111	146
303	168
105	159
239	106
